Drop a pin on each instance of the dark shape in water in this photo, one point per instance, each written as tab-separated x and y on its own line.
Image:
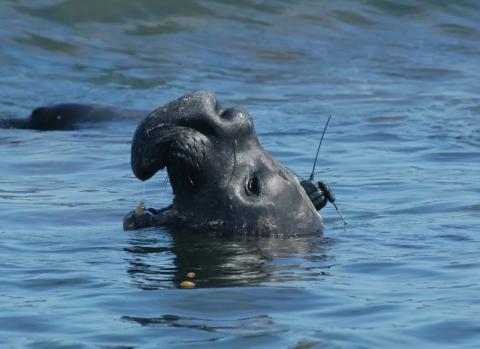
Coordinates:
222	179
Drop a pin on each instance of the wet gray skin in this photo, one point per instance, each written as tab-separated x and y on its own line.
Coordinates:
222	179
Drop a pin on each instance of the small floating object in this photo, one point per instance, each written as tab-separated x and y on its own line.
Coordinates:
140	208
187	284
191	275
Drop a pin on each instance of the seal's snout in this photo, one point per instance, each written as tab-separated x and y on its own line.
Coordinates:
202	112
171	133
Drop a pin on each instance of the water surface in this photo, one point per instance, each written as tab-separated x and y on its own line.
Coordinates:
402	154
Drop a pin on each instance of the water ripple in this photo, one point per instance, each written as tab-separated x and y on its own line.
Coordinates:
401	154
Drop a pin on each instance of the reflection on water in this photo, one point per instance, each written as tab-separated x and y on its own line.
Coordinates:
250	325
158	259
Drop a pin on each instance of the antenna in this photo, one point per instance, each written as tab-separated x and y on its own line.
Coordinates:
318	149
322	186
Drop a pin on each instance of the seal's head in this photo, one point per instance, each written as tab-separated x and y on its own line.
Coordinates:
222	178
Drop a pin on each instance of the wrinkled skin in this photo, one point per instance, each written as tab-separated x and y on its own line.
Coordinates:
222	179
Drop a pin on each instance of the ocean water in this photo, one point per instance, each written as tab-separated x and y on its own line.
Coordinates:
402	153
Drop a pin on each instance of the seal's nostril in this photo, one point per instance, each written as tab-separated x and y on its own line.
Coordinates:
230	114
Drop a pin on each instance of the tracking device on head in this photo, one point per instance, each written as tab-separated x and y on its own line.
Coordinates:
320	192
317	194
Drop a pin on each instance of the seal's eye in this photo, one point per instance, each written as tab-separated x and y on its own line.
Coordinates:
253	186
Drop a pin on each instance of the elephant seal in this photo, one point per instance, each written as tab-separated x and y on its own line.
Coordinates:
222	179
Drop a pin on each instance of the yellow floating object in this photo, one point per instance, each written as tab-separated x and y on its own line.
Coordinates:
187	284
140	208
